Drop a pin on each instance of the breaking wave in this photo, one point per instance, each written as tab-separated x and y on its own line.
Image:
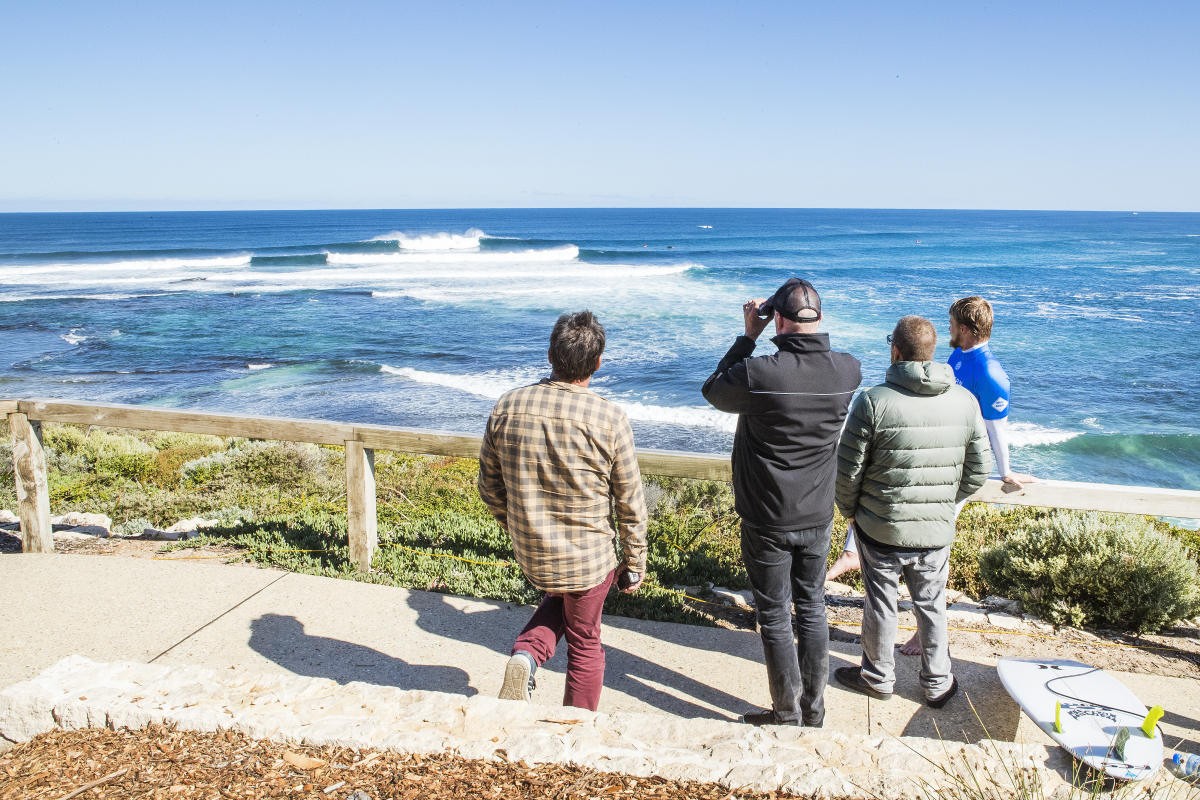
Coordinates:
493	384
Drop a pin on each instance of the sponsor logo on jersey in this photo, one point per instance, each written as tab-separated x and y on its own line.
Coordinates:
1000	404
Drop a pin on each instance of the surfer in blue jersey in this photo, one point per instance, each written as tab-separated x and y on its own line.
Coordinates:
976	369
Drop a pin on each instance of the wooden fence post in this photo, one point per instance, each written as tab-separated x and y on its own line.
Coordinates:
361	522
33	490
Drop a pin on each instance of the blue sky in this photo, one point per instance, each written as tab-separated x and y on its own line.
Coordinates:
164	105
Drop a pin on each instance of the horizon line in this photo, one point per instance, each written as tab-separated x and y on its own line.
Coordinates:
597	208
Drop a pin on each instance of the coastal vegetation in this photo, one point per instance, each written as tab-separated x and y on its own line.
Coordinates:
1079	569
283	504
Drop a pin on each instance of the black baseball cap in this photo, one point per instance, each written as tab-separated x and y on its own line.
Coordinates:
796	300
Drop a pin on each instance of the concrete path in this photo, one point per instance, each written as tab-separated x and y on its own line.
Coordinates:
194	612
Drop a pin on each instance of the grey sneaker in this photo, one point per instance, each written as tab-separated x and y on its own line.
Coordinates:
518	677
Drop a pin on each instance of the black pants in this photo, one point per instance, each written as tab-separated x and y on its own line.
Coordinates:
786	570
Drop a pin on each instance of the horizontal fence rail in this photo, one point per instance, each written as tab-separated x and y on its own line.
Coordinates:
361	442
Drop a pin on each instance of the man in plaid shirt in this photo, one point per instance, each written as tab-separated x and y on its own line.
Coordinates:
557	462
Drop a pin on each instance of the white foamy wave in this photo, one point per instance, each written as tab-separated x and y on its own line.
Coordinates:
1060	311
578	282
434	241
488	384
73	337
19	298
568	252
493	384
64	272
1026	434
684	416
253	367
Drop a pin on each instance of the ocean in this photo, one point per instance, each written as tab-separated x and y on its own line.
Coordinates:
423	318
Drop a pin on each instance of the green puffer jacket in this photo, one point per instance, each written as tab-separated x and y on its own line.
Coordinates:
912	448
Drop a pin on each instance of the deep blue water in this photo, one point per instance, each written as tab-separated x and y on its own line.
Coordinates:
422	318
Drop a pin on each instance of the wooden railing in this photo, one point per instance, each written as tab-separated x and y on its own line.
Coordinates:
361	441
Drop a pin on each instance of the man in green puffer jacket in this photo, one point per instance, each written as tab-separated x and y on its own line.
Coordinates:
912	449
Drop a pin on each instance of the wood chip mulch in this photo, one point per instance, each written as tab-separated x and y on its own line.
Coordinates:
161	762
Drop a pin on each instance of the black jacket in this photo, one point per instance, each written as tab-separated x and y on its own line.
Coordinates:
791	406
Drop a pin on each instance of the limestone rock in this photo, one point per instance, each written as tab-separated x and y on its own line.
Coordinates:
77	692
1001	604
1006	621
839	589
966	613
742	599
89	524
168	536
79	534
7	517
193	524
76	519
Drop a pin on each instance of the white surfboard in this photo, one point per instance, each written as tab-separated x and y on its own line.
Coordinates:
1092	709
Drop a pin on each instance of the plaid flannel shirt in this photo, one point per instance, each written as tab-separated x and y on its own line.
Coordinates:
557	461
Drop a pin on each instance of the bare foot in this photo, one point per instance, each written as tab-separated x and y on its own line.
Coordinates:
846	562
1016	480
912	647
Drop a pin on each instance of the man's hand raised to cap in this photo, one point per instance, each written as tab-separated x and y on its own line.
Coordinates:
754	325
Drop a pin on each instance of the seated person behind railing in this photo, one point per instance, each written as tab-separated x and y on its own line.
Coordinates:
555	459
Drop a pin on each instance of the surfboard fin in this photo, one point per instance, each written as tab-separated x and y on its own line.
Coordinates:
1058	717
1151	720
1122	739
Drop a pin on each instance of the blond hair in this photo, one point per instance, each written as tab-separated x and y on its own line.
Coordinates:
975	314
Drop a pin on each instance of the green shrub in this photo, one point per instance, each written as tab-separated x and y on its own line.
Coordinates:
1079	569
170	461
693	535
67	439
136	467
8	475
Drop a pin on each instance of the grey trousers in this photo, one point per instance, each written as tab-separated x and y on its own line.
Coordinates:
925	573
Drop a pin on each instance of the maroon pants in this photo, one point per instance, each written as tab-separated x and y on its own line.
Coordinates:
575	615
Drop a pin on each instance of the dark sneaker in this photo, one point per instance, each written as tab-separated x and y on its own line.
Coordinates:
944	697
518	677
852	679
761	718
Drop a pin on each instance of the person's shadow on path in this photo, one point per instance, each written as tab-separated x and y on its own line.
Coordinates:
625	672
282	639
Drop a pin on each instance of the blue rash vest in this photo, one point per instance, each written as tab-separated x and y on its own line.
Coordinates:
978	371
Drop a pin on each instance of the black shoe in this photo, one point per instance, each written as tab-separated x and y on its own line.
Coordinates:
852	679
944	697
761	718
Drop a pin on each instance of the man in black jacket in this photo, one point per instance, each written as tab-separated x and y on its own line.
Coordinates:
791	406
